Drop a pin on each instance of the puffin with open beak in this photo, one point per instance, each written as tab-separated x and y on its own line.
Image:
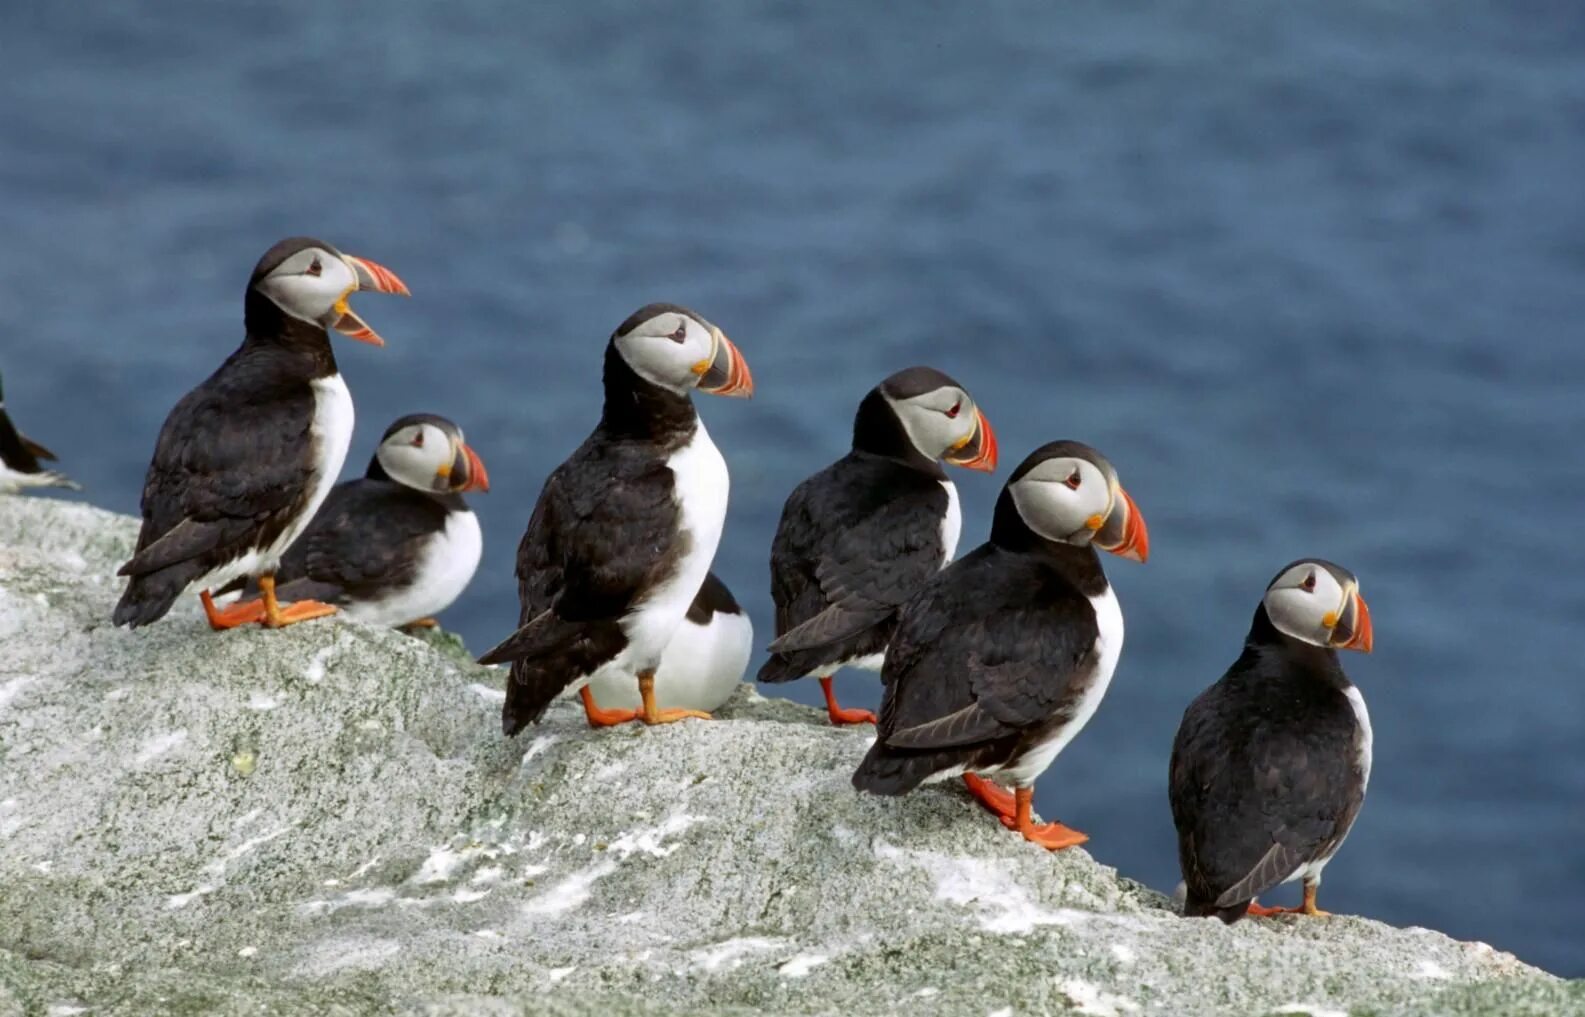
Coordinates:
19	460
1003	657
860	537
1270	764
245	459
398	545
622	536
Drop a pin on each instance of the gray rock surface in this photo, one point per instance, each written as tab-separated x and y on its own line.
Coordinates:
326	820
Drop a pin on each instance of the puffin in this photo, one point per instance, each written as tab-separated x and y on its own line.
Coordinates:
398	545
861	536
1005	654
19	459
244	460
1270	764
701	666
623	533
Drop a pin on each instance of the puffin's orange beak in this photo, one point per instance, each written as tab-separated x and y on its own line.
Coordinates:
368	276
467	468
1356	623
1123	531
979	451
726	374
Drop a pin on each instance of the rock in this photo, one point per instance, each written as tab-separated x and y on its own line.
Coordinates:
326	820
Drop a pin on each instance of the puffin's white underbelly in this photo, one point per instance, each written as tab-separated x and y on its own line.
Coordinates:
700	669
700	486
331	434
449	560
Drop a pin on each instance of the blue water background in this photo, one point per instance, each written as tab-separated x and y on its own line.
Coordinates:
1312	276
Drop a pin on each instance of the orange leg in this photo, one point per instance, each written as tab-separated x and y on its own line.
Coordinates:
1306	908
276	616
229	618
599	716
651	714
837	714
1051	836
422	623
1000	802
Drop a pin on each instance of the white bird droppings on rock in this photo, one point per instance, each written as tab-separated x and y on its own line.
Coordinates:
571	892
730	953
802	964
1089	999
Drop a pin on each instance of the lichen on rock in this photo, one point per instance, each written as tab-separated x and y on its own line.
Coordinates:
325	819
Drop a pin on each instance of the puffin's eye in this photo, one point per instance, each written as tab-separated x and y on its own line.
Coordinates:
418	440
953	412
681	333
315	268
1308	586
1074	480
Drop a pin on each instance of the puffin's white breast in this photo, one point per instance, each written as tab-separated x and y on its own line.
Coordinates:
951	524
699	670
446	565
700	487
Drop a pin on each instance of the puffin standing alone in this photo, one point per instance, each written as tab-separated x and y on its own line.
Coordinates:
1270	764
398	545
623	533
860	537
245	459
19	459
1004	656
701	666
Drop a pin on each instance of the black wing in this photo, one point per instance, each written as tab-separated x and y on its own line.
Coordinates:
854	543
17	451
234	457
602	533
989	650
1262	781
366	538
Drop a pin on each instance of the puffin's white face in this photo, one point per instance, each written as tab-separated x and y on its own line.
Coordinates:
309	284
1072	499
427	457
943	421
312	284
1319	603
680	351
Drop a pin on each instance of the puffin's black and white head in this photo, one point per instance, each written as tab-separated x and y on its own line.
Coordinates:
922	412
678	350
428	453
1067	493
310	280
1317	602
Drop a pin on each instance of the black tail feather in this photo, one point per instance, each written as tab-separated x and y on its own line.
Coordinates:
149	597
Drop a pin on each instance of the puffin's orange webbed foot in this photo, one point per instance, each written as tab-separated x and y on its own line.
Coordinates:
422	623
652	714
1258	910
277	616
599	716
839	715
242	613
1051	836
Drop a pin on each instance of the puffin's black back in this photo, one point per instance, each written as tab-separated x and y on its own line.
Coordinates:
233	463
989	658
604	531
855	541
1264	775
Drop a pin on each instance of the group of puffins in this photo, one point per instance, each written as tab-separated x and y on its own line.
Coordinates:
991	663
